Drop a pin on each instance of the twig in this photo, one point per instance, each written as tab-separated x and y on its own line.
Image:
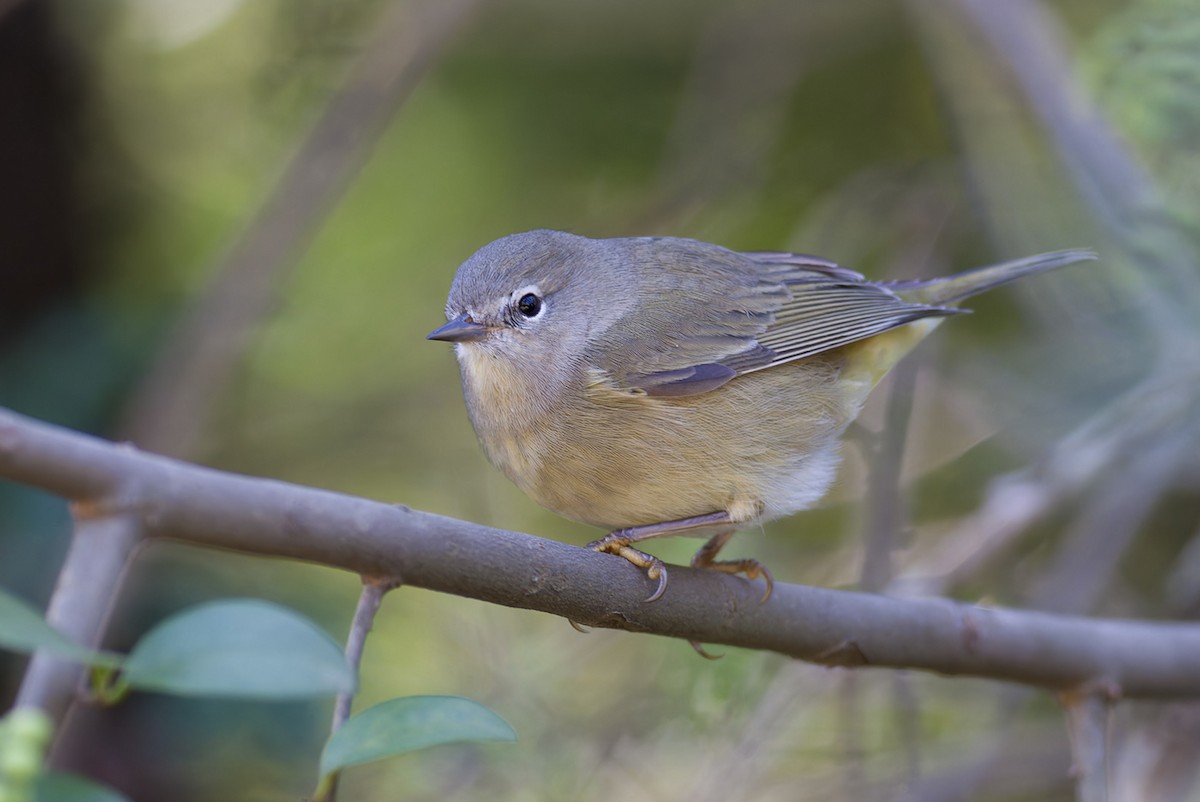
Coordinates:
885	502
169	412
885	515
373	591
1087	713
258	516
101	546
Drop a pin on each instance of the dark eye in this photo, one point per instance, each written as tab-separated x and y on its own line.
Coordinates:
529	305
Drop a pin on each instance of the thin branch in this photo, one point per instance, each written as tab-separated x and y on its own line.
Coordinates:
373	591
101	546
169	412
1088	713
885	502
259	516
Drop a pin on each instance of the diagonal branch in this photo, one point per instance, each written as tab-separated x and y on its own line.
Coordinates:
101	548
259	516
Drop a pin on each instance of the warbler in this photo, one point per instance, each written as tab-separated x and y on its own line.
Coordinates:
660	386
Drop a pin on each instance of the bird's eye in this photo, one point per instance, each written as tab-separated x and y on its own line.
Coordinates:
530	305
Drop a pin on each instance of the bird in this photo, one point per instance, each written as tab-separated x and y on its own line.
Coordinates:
657	386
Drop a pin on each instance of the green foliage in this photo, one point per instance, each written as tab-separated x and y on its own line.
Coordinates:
24	734
240	647
56	787
405	725
22	629
408	724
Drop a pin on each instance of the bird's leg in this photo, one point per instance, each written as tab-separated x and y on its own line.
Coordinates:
620	541
751	569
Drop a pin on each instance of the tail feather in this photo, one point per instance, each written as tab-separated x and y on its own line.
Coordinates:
948	289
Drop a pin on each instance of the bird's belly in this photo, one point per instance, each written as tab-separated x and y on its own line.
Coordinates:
625	495
625	459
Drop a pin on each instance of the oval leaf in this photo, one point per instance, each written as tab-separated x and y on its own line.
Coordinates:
69	788
240	648
22	629
411	722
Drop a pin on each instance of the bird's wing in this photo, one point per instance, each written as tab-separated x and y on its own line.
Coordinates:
778	308
823	315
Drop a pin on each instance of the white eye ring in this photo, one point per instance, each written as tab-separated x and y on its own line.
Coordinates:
528	302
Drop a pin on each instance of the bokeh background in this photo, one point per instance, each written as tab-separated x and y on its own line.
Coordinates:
226	226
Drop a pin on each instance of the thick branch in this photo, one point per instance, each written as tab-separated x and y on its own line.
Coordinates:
259	516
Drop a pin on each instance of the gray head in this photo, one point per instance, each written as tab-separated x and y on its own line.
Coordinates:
538	296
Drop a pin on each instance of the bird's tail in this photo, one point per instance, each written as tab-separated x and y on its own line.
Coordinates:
869	360
949	289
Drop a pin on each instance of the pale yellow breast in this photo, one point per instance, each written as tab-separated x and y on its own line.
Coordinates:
760	447
504	411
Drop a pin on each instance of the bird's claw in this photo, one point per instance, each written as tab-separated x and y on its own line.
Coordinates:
618	543
656	571
768	579
751	569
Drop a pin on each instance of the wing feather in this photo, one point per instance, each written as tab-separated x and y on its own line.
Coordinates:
753	311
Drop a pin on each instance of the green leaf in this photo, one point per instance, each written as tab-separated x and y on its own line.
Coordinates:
409	723
239	648
22	629
69	788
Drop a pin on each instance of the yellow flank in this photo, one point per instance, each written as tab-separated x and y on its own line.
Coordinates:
869	360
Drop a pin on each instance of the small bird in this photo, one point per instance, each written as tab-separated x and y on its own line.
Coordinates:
662	386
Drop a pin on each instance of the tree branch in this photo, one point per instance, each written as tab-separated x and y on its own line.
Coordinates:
1088	713
258	516
373	591
83	598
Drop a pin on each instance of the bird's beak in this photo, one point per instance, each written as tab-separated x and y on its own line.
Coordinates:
460	330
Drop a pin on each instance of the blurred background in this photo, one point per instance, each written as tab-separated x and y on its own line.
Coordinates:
226	226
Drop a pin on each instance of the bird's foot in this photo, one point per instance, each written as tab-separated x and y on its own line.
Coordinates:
751	569
618	543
